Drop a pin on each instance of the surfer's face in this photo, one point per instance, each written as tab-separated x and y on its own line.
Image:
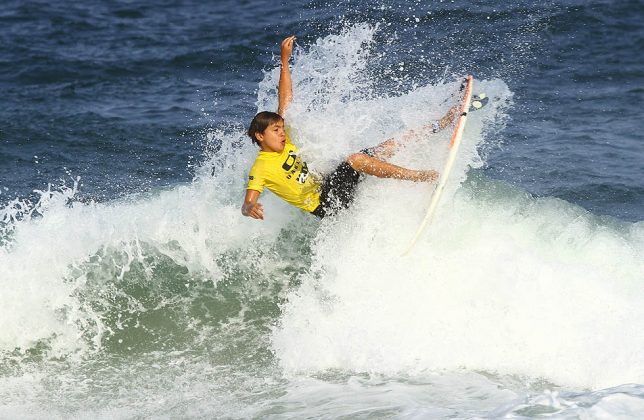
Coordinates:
273	138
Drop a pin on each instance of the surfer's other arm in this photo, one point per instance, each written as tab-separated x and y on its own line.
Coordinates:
285	87
251	208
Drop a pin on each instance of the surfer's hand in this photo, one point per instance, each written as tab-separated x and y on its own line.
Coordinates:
287	48
256	211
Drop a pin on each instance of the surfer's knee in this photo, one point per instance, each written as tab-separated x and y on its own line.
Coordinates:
357	160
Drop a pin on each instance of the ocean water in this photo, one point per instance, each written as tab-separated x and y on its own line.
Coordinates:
132	287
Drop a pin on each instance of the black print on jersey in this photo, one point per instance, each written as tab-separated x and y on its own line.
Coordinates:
291	166
304	174
290	161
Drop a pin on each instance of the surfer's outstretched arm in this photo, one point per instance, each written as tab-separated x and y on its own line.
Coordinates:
285	87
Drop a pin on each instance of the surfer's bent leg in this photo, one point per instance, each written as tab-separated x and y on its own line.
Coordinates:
362	162
339	186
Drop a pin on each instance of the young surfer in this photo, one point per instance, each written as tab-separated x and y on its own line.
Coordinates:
278	167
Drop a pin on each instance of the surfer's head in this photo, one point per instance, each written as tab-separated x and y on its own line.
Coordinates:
261	122
267	131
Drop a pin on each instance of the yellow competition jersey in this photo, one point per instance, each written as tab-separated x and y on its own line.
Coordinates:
286	176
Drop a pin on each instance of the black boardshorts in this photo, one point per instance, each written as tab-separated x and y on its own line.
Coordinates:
338	188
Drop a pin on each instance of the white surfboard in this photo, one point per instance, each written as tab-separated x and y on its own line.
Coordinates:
455	142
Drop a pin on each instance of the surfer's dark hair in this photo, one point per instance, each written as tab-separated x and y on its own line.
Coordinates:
261	122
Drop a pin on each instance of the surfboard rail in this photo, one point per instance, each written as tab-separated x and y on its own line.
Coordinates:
454	144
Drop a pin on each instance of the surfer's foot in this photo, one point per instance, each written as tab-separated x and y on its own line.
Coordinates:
479	101
426	176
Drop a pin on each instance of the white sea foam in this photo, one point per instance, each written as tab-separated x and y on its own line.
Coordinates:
500	282
505	286
49	243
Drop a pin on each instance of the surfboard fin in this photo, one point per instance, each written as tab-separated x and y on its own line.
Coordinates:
479	101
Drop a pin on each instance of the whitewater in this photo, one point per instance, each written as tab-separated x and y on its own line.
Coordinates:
171	304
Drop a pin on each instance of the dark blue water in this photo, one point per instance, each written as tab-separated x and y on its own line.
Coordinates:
121	93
